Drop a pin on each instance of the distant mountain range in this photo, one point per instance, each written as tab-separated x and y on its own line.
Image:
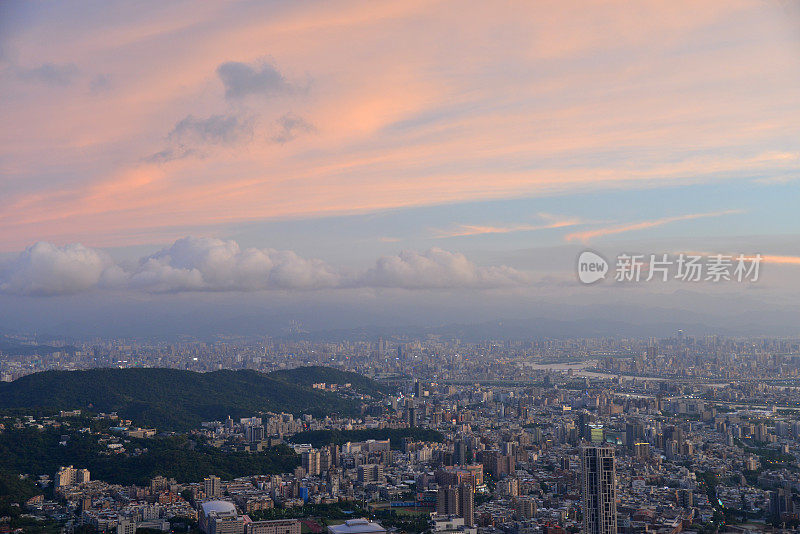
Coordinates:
171	399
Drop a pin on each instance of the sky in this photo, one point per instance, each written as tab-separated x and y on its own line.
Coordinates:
239	165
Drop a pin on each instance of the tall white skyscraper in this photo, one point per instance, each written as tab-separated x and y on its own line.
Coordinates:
598	489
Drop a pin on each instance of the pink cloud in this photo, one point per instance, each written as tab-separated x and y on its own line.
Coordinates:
786	260
463	230
533	99
588	235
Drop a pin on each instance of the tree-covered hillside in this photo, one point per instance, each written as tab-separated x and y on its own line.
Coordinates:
171	399
306	376
36	452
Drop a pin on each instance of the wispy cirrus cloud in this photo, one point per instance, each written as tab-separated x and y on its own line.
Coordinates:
763	258
464	230
588	235
560	105
786	260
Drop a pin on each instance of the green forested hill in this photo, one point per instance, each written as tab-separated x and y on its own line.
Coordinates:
33	451
306	376
171	399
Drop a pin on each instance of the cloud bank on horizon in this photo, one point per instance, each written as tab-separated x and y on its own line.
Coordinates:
127	124
194	264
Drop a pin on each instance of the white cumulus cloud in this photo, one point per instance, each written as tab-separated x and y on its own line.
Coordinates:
437	268
206	264
47	269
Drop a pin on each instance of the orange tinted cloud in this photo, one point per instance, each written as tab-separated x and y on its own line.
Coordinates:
787	260
464	230
643	225
407	104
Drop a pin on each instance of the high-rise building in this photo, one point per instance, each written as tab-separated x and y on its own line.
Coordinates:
324	459
459	452
508	487
780	503
526	507
634	433
455	476
582	423
447	500
369	473
159	483
457	501
254	433
497	464
67	476
466	499
685	498
641	450
413	416
311	462
212	486
674	433
598	489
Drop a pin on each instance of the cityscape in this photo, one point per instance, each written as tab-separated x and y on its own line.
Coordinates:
679	434
399	267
